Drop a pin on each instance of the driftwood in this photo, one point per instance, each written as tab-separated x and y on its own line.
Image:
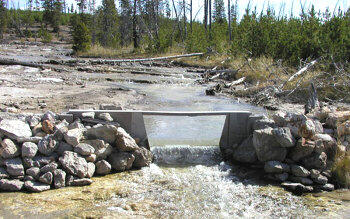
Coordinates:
301	71
219	73
236	82
29	64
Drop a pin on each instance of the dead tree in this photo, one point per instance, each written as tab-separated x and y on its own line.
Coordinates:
134	30
229	18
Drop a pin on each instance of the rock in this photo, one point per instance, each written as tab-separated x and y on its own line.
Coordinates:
108	133
9	149
245	152
14	167
320	179
84	149
297	187
3	173
143	158
124	141
59	178
316	161
327	173
109	107
47	145
276	167
73	181
11	185
314	173
29	149
62	126
47	126
303	149
49	116
34	172
42	161
106	117
279	118
281	177
33	186
266	147
302	180
40	134
318	127
74	164
15	129
68	117
37	129
46	178
33	120
91	170
307	129
103	167
102	149
28	178
51	167
75	125
327	187
300	171
62	147
73	136
319	146
121	161
284	137
88	115
29	139
263	123
91	158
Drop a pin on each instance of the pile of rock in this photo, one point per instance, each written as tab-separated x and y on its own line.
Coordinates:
41	152
296	150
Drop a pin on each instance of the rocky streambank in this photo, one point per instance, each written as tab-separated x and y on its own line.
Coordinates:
50	151
296	150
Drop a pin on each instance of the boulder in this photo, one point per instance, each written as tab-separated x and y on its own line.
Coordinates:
91	170
106	117
316	161
302	180
47	126
47	145
307	129
320	179
263	123
51	167
102	149
9	149
38	129
284	137
34	139
73	136
15	129
280	118
245	152
281	177
74	164
84	149
68	117
33	120
62	147
14	167
297	187
91	158
88	115
124	141
46	178
29	149
28	178
143	157
59	178
51	116
33	186
62	126
75	125
103	167
327	187
276	167
299	171
121	161
107	133
266	147
3	173
74	181
314	173
34	172
11	185
303	149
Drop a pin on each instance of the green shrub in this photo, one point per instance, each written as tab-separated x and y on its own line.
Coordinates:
45	36
81	37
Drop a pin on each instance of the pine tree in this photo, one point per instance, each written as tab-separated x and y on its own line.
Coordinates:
126	19
52	13
219	11
108	24
3	18
81	36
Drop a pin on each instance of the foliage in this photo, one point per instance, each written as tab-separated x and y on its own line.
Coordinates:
45	36
52	13
81	36
341	171
3	18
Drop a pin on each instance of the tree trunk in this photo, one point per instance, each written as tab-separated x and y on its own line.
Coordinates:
210	18
185	19
191	16
229	19
134	31
205	14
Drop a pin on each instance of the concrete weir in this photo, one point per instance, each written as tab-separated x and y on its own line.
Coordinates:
234	131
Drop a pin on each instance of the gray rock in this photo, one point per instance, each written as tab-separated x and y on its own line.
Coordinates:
307	129
282	177
303	149
11	185
276	167
314	173
318	127
62	147
62	126
68	117
302	180
34	139
49	116
106	117
266	147
245	152
14	167
51	167
41	161
320	179
15	129
125	142
73	136
84	149
319	146
88	115
316	161
280	118
102	149
103	167
121	161
33	186
28	178
59	178
33	120
34	172
47	145
74	164
108	133
327	173
297	187
76	125
91	170
3	173
91	158
300	171
143	158
107	106
284	137
263	123
73	181
9	149
29	149
46	178
327	187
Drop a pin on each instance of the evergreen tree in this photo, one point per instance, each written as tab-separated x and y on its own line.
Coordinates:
81	36
219	11
3	18
108	24
52	13
126	19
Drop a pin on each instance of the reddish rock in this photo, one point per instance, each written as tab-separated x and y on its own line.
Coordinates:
47	127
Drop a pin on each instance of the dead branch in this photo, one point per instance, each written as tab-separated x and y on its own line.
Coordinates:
236	82
301	71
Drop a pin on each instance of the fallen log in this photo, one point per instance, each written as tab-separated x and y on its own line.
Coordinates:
236	82
301	71
29	64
